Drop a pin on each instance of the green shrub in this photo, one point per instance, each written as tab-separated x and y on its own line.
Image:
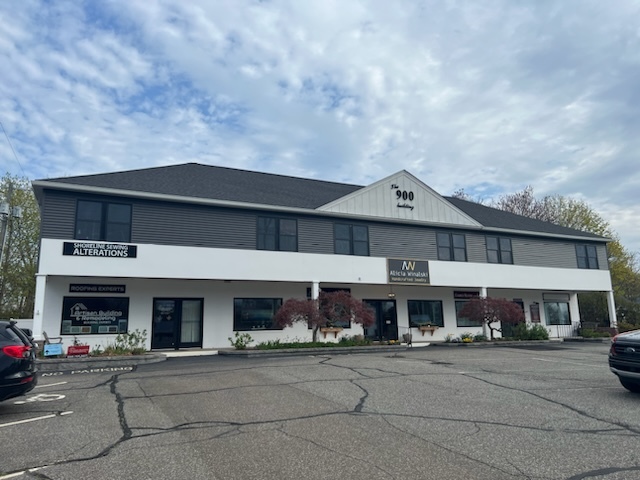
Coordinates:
354	341
466	337
240	340
480	337
626	326
523	331
588	333
129	343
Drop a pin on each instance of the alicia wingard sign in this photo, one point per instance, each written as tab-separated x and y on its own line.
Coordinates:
89	249
415	272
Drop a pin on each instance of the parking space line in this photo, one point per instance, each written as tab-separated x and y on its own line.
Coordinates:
34	419
51	385
570	363
19	474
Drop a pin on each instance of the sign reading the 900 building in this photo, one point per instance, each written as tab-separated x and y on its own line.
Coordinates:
89	249
408	271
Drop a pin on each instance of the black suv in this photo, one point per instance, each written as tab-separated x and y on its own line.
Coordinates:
624	359
18	372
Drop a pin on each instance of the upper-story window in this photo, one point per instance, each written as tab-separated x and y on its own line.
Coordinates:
351	239
110	222
587	256
277	234
499	250
451	246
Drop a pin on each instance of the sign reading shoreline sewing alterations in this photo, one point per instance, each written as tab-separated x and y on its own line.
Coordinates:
89	249
415	272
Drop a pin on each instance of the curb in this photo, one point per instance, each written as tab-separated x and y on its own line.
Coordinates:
287	352
588	340
88	363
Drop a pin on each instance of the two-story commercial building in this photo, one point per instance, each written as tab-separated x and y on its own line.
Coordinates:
193	253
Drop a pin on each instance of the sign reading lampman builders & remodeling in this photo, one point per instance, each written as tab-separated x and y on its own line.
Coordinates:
94	315
415	272
89	249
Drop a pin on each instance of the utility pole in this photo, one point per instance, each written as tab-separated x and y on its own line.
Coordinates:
8	214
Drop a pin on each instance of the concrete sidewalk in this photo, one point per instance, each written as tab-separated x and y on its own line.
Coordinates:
119	362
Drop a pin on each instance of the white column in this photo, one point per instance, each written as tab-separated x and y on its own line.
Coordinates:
574	311
315	290
483	294
611	304
38	307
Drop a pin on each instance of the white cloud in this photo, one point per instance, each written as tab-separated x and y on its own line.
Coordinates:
486	96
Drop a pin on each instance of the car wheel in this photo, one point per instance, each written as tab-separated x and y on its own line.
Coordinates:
631	385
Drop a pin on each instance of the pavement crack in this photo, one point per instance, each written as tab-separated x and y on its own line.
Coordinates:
576	410
358	408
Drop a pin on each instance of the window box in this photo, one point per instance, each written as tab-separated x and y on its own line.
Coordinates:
334	330
427	328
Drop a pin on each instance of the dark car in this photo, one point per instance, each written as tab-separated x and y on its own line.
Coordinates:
624	359
18	371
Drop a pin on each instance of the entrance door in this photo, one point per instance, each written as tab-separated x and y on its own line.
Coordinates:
508	329
385	326
176	323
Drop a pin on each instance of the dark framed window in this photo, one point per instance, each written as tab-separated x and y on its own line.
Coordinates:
557	313
463	321
351	239
255	313
277	234
451	246
499	250
425	312
587	256
106	221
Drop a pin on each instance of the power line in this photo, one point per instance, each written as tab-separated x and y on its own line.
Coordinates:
14	152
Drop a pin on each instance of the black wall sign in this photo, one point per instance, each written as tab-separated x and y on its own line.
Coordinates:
89	249
92	288
408	271
94	315
466	295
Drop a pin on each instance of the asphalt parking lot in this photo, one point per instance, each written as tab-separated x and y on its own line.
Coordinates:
549	412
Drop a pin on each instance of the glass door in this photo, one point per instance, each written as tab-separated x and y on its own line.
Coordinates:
385	326
176	323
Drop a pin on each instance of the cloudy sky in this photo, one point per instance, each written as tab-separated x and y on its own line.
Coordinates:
488	96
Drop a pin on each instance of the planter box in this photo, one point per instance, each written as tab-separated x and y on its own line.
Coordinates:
334	330
427	328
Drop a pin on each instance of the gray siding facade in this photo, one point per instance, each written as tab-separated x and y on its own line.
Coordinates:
167	223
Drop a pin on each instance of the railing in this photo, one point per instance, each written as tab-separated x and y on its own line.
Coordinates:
563	331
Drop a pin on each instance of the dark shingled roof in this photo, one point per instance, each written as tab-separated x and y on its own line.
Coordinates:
229	184
219	183
492	217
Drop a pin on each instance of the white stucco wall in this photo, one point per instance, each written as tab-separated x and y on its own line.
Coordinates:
218	276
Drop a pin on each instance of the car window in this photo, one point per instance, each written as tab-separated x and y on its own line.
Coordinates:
10	333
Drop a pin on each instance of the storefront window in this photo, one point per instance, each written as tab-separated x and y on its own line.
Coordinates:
425	312
255	313
557	313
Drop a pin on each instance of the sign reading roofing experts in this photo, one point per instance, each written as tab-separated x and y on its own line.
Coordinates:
88	249
408	271
93	288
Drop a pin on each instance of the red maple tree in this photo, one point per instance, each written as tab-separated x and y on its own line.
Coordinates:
329	309
488	310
